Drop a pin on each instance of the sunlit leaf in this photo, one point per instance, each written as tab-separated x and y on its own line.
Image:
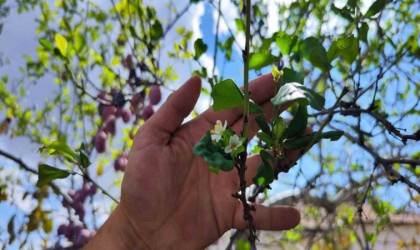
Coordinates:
61	44
226	95
260	60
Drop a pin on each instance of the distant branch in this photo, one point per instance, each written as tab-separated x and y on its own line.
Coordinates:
387	163
22	164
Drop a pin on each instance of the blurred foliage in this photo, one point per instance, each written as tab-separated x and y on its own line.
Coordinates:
94	55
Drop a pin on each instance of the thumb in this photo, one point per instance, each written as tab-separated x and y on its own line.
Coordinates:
159	128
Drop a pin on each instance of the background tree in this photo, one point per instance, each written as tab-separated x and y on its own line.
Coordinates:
106	67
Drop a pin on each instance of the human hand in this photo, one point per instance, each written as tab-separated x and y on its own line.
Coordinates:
169	198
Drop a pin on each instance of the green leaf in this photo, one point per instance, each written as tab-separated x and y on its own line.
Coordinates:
263	125
260	60
11	229
265	173
296	92
213	154
308	138
61	44
315	53
226	95
266	156
285	43
332	135
277	74
363	32
254	108
292	76
265	138
60	148
46	44
375	8
156	31
46	174
240	25
278	128
298	125
199	47
83	157
347	47
133	32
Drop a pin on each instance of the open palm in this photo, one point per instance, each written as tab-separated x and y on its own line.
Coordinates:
170	199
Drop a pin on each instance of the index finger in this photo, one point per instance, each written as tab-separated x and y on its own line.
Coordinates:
261	90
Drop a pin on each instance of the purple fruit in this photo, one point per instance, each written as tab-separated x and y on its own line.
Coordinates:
111	125
121	162
147	112
108	111
155	95
126	115
61	230
83	237
89	189
100	141
135	100
128	62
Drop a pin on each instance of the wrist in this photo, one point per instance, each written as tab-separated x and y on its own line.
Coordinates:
116	233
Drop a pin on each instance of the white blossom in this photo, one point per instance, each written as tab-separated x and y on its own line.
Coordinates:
234	144
217	132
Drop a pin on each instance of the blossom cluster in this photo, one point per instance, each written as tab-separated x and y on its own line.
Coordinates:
230	142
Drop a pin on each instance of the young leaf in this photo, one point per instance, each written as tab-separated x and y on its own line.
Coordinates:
199	47
296	92
60	148
61	44
46	174
277	74
278	128
226	95
213	154
297	126
315	53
